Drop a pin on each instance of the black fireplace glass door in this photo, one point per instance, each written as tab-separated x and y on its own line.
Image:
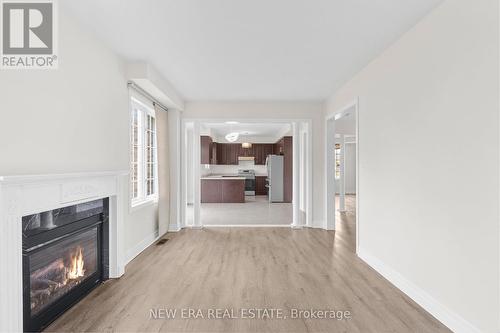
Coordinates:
52	219
59	267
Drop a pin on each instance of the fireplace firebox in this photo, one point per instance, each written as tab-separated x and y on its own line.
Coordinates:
65	255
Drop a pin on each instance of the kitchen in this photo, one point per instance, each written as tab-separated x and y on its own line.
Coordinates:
246	174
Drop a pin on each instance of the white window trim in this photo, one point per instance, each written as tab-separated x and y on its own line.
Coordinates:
142	200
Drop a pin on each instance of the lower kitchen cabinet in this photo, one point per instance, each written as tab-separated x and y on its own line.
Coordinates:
211	191
233	191
260	185
222	190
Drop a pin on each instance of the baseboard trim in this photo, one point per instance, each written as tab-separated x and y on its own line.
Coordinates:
442	313
196	227
141	246
174	228
247	226
318	224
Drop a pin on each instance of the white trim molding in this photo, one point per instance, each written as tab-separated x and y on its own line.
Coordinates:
442	313
174	228
250	226
331	183
141	246
149	79
25	195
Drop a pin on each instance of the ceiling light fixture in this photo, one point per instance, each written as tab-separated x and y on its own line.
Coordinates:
232	137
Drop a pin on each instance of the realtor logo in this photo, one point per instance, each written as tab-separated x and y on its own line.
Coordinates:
28	30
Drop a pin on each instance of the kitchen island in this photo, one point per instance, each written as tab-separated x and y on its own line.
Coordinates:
222	189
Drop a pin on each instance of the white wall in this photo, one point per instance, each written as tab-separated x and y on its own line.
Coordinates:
141	229
73	119
189	166
275	111
350	168
429	149
66	120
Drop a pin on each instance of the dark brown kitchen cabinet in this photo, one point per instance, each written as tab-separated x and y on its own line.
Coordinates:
221	153
213	153
287	143
222	190
266	150
211	191
260	185
233	191
258	152
247	152
206	149
228	153
234	151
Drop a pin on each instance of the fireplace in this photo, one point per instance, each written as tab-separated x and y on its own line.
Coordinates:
65	255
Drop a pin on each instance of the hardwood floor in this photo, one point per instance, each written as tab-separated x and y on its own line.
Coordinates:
238	268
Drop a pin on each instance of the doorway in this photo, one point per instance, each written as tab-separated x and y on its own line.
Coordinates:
342	169
220	151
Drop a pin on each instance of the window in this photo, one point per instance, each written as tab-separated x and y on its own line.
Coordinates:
337	161
143	173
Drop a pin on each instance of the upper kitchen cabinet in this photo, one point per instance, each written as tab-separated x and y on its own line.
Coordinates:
234	152
221	153
267	150
213	153
228	153
287	152
257	153
247	152
206	149
261	151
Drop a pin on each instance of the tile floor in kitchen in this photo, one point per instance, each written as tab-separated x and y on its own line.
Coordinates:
256	210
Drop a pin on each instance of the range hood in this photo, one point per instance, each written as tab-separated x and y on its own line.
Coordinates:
246	158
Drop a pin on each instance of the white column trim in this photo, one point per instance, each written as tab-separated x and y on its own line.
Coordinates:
174	124
330	174
296	176
309	182
341	182
197	223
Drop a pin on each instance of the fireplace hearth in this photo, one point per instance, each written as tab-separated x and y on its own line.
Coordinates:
64	258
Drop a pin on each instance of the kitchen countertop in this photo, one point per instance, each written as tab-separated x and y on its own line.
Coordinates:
222	177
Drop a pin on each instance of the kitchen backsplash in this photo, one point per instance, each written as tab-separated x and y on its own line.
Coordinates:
206	169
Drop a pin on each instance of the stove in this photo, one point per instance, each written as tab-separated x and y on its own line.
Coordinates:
249	175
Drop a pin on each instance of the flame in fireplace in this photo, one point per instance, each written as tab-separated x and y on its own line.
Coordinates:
75	269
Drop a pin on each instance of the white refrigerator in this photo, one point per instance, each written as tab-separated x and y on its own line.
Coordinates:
275	178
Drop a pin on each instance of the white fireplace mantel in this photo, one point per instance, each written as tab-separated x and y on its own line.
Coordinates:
26	195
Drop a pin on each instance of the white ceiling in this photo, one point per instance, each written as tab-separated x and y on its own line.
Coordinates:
249	130
346	124
251	49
